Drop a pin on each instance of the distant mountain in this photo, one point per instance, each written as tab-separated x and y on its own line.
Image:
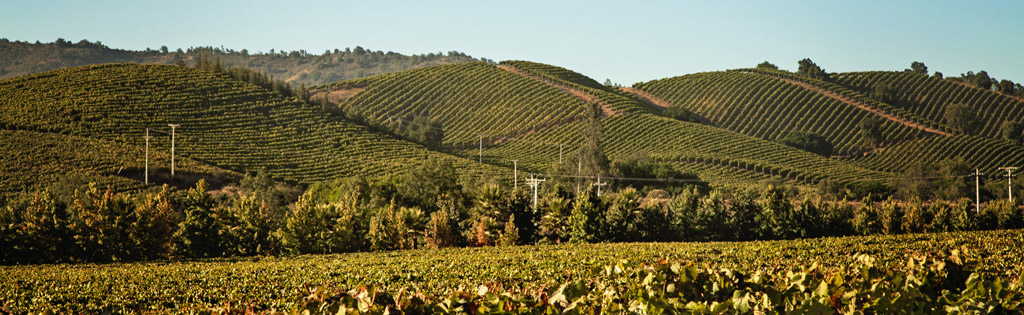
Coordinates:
297	67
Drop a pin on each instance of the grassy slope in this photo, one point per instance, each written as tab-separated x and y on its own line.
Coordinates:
227	123
271	281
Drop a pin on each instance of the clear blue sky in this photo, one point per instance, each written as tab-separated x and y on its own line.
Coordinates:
626	41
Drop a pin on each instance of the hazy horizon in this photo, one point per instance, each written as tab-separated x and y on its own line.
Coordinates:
626	43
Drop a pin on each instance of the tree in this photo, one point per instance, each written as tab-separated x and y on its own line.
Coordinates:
871	131
1012	132
961	118
425	131
422	184
586	220
918	67
680	113
510	236
885	92
591	155
982	80
808	141
809	69
1007	87
767	65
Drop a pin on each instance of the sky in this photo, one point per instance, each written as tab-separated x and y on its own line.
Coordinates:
625	41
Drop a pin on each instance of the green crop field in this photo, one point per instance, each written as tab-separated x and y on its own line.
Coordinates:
281	283
225	123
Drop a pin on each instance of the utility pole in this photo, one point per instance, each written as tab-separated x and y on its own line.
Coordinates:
579	172
534	183
977	190
172	146
1009	180
599	184
515	176
560	152
481	148
147	156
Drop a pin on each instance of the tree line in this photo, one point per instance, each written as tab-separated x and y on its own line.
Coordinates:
432	206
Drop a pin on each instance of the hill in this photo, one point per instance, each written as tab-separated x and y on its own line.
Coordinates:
298	67
469	99
927	96
34	160
769	108
225	122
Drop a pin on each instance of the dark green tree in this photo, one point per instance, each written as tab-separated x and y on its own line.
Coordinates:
871	131
1012	132
885	92
808	141
767	65
591	154
919	67
961	118
808	68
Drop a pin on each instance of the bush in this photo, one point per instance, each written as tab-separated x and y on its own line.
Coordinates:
808	141
586	221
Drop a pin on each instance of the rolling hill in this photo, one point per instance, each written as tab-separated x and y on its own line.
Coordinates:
226	123
468	100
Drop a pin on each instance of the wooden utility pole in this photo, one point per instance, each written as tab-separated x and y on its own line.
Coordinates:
1009	180
173	126
599	184
977	190
515	174
535	184
147	156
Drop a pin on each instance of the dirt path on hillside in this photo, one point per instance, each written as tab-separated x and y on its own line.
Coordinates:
657	101
606	108
336	96
863	106
296	76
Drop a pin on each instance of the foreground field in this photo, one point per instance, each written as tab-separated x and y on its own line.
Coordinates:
282	282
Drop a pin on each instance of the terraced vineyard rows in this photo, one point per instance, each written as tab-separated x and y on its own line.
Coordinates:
887	111
227	123
706	150
768	108
32	158
466	99
984	153
927	97
618	101
279	282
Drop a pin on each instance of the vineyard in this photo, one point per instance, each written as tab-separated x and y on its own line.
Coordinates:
889	111
705	150
769	108
617	101
982	153
227	123
466	99
282	283
927	96
35	158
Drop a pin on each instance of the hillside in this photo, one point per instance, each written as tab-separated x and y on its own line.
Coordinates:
34	160
468	99
227	123
927	96
298	67
769	108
